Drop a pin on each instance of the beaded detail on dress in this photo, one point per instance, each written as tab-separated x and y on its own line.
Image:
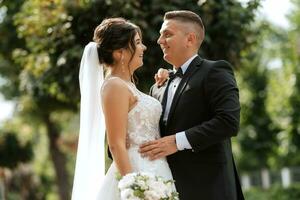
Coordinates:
143	118
142	126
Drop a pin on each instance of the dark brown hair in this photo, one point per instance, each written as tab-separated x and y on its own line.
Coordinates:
113	34
186	16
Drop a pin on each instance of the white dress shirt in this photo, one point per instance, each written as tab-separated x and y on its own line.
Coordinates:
181	140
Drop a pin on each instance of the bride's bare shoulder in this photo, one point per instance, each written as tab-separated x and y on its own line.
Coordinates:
114	86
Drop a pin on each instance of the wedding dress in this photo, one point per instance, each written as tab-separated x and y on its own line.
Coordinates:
143	126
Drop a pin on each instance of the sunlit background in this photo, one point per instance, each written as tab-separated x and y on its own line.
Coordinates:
40	50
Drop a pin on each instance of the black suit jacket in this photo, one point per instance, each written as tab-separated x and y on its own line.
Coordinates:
205	106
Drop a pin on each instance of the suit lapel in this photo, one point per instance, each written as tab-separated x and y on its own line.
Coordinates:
193	67
164	103
165	96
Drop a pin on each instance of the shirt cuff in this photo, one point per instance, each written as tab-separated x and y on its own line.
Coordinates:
182	142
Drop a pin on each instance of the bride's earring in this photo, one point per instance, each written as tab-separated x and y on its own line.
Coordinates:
122	64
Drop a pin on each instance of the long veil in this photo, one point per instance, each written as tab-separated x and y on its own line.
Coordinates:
90	165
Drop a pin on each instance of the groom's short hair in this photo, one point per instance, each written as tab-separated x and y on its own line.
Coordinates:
187	16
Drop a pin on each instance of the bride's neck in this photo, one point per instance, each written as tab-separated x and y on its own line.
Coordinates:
117	72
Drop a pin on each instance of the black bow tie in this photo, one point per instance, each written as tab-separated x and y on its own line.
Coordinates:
178	73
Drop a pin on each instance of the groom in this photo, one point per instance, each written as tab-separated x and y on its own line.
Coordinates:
201	113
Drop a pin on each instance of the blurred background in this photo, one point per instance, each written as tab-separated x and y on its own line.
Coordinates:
41	43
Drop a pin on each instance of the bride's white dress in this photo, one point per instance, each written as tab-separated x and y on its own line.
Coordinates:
143	126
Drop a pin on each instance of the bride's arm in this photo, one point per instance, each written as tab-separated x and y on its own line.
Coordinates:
115	103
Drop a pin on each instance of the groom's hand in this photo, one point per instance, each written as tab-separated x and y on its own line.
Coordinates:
159	148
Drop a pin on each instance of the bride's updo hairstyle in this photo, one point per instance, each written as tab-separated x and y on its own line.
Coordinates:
113	34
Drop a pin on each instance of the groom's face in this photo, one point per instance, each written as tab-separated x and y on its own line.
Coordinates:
172	41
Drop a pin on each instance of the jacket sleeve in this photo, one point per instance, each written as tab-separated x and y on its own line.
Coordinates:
151	90
222	94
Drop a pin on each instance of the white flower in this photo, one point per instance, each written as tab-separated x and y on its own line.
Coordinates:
126	181
127	194
146	186
151	195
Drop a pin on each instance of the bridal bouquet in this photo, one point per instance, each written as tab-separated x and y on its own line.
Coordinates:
145	186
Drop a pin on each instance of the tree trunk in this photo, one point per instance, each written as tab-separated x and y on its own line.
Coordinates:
58	158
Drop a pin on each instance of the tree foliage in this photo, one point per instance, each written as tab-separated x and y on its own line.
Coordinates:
44	40
12	152
258	132
293	56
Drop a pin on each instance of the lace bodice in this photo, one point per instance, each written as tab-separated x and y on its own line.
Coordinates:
143	118
142	126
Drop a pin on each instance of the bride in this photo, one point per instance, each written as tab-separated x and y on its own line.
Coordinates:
114	104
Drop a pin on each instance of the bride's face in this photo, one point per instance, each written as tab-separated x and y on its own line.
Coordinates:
137	58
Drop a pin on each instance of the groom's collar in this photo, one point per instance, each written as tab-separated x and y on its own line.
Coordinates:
186	64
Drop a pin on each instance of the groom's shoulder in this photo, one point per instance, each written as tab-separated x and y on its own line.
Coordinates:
218	64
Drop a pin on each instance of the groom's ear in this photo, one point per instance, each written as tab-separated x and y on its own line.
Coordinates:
191	39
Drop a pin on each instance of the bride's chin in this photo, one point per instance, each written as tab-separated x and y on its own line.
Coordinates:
137	67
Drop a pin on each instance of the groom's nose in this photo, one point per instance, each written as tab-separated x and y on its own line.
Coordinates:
159	40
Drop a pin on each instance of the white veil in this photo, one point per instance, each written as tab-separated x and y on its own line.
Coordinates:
90	161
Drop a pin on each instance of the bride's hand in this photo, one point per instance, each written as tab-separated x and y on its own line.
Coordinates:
161	76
